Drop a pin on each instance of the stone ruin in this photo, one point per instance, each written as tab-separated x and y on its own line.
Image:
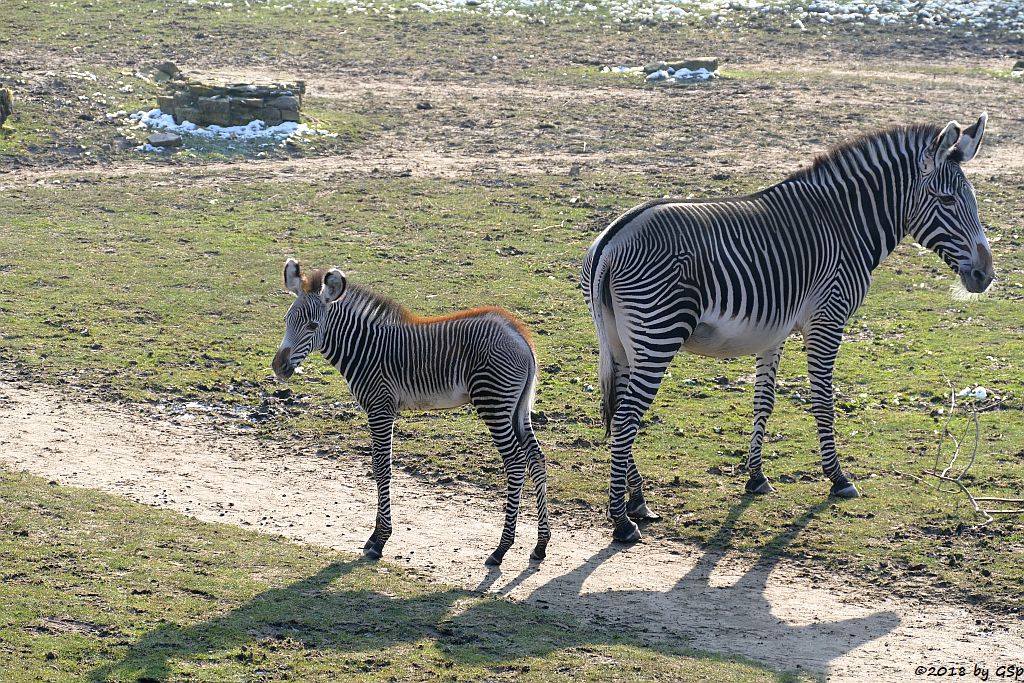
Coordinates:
227	104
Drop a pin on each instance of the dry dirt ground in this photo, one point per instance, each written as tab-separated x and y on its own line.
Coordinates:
774	613
763	127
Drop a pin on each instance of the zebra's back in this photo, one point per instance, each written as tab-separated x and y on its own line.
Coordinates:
750	267
446	361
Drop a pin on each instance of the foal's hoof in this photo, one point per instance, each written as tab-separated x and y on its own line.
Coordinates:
540	551
759	484
637	509
373	549
844	489
495	558
626	531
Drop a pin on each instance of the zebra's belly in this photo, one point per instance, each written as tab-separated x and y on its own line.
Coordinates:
722	337
455	397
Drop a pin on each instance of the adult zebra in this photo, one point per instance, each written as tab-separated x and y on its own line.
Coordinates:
394	360
735	276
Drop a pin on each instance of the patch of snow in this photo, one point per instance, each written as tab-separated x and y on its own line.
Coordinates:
154	119
680	75
979	392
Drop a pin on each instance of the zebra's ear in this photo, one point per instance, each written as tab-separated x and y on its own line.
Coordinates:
334	286
942	146
292	277
970	139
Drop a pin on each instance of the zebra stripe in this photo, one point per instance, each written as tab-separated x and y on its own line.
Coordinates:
735	276
396	361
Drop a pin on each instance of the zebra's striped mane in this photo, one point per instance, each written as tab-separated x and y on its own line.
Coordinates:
374	306
855	150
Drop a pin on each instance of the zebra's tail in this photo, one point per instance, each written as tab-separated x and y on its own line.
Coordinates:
525	405
611	355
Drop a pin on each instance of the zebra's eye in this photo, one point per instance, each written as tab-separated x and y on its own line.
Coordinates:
312	325
947	199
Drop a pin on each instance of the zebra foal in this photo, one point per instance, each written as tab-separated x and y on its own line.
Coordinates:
394	360
735	276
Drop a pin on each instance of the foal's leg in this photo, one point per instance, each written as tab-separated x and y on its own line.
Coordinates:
822	342
382	425
514	459
764	403
538	473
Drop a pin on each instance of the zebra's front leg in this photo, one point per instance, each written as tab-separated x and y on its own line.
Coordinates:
764	403
822	346
382	425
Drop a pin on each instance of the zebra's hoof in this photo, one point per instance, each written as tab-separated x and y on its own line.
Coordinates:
844	489
637	509
540	551
495	559
626	531
759	485
373	552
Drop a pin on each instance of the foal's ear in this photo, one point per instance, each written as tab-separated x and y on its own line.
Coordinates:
334	286
942	146
970	139
292	277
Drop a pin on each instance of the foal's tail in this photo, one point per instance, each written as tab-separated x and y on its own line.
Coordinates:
522	422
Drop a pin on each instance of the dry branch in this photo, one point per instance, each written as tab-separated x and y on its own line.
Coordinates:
946	474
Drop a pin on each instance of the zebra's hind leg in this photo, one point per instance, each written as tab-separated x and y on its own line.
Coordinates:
822	342
645	378
764	403
515	469
514	459
636	507
538	473
382	423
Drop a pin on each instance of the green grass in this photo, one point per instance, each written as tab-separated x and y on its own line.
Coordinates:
171	294
93	587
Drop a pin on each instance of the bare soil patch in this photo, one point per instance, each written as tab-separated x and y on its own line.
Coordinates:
783	615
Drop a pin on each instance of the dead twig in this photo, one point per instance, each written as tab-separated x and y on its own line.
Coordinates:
947	474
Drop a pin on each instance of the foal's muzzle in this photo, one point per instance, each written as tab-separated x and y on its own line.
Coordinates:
282	365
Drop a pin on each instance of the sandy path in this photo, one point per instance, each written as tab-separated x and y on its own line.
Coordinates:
771	613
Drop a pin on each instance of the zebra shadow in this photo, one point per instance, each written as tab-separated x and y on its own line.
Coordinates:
327	613
720	605
331	611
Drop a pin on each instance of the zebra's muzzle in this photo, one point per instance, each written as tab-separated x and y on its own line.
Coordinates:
976	280
281	365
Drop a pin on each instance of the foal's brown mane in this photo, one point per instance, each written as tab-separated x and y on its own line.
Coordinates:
313	281
394	312
472	313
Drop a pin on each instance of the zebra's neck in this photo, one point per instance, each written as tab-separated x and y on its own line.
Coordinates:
865	188
353	324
